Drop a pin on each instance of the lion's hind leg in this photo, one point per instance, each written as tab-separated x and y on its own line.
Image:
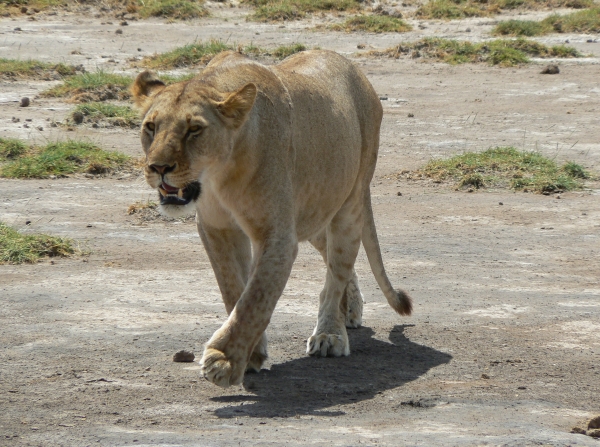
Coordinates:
353	300
343	236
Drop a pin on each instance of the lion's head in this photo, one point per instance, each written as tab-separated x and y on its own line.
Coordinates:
187	127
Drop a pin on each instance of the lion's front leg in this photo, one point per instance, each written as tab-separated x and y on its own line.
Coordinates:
228	249
240	342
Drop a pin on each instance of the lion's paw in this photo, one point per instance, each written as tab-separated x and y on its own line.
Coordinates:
218	369
327	345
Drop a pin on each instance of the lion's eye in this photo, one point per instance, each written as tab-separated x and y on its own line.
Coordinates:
150	126
194	131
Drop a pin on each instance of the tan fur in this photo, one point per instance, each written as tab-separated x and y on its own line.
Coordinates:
285	154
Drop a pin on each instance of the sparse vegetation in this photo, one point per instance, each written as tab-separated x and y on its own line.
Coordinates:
279	10
35	5
458	9
521	28
201	53
18	248
176	9
286	50
505	167
11	148
501	52
61	159
97	86
33	69
373	24
586	21
95	112
187	56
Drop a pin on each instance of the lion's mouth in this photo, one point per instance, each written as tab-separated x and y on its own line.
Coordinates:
169	195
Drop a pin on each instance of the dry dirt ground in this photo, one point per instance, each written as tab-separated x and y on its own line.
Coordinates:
504	343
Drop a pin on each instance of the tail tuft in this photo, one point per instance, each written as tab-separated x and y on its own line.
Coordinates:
402	304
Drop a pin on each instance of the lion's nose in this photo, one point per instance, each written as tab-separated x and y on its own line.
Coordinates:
162	169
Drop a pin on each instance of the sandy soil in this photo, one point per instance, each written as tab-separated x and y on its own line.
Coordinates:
502	348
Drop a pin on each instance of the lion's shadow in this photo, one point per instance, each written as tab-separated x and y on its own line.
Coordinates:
309	385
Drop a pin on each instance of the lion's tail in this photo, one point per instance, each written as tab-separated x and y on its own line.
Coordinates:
399	300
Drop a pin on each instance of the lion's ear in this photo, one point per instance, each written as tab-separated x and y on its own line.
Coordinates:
145	86
237	105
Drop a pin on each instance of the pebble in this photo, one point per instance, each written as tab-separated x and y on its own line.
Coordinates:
184	356
551	69
24	101
78	117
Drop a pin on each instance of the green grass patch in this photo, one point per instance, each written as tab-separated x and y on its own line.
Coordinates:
280	10
459	9
18	248
506	53
97	86
373	24
176	9
11	148
284	51
33	69
95	112
187	55
521	28
505	167
586	21
200	53
61	159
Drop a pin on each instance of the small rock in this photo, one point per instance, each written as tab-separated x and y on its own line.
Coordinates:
550	69
361	46
411	115
590	41
28	120
500	203
119	31
24	101
594	433
521	387
27	222
578	430
383	98
468	30
139	49
18	28
399	193
24	10
594	423
40	128
78	117
184	356
470	190
95	125
15	119
485	376
26	126
123	23
567	41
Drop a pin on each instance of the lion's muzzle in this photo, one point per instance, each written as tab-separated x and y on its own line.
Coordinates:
169	195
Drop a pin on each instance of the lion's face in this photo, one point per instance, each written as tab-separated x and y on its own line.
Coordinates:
186	129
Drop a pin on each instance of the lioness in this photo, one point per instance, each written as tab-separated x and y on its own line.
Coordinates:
268	157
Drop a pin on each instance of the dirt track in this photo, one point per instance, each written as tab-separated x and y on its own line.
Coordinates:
504	343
